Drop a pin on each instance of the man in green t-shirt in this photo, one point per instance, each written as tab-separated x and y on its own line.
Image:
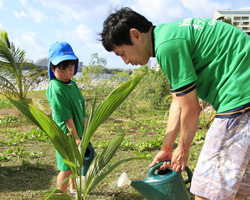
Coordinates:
66	102
205	58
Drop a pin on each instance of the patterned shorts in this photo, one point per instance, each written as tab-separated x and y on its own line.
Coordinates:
223	168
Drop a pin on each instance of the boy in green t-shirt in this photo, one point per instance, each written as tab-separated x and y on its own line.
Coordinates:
66	101
205	58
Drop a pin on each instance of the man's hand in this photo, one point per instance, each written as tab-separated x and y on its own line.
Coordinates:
179	159
162	156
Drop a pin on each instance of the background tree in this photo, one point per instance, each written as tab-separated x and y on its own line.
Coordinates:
16	74
154	87
92	71
227	20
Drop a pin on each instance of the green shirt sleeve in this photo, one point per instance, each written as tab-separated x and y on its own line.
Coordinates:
176	62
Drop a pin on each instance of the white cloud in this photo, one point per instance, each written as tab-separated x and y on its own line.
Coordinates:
1	4
23	2
37	15
245	8
19	14
88	11
2	27
204	8
83	33
29	37
33	46
161	10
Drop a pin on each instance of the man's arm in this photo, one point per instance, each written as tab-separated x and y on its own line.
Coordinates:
189	118
184	114
173	128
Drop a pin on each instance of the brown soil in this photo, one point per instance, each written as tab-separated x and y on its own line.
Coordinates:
8	112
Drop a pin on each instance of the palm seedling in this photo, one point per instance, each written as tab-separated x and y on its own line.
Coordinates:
66	146
15	81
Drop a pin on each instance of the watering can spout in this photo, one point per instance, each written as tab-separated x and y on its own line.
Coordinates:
159	185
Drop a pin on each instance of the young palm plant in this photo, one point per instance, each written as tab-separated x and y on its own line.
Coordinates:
66	146
14	81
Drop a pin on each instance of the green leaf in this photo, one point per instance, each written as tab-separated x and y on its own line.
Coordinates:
66	145
108	106
99	168
54	132
69	163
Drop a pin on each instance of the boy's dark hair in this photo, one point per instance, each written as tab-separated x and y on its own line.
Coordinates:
117	26
63	65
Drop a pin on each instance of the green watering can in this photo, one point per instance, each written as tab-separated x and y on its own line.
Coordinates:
89	156
161	185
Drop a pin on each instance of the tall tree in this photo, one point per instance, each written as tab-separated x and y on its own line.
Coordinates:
227	20
16	74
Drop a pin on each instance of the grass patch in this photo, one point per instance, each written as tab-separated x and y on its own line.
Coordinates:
28	162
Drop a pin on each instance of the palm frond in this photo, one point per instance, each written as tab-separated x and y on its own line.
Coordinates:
108	106
7	88
100	167
4	37
66	145
12	65
6	56
107	170
46	124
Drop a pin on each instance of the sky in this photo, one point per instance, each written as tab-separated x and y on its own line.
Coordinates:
33	25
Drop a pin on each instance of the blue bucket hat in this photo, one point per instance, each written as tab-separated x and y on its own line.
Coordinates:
58	52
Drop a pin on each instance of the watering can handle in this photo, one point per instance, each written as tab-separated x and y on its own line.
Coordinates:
190	175
151	172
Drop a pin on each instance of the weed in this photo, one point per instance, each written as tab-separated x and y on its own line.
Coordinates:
10	120
5	103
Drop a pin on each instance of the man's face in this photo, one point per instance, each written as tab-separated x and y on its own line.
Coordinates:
136	54
132	54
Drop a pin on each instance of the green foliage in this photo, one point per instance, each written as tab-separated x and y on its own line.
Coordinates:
5	104
207	118
227	20
14	81
14	137
140	146
155	88
10	120
92	71
66	146
199	137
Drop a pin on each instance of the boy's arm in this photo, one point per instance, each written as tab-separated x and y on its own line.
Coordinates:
71	125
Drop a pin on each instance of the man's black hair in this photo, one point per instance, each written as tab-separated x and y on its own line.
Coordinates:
116	28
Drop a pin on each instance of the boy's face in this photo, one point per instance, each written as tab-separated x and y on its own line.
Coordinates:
66	74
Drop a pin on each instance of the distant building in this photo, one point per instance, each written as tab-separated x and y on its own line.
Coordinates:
239	17
80	66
